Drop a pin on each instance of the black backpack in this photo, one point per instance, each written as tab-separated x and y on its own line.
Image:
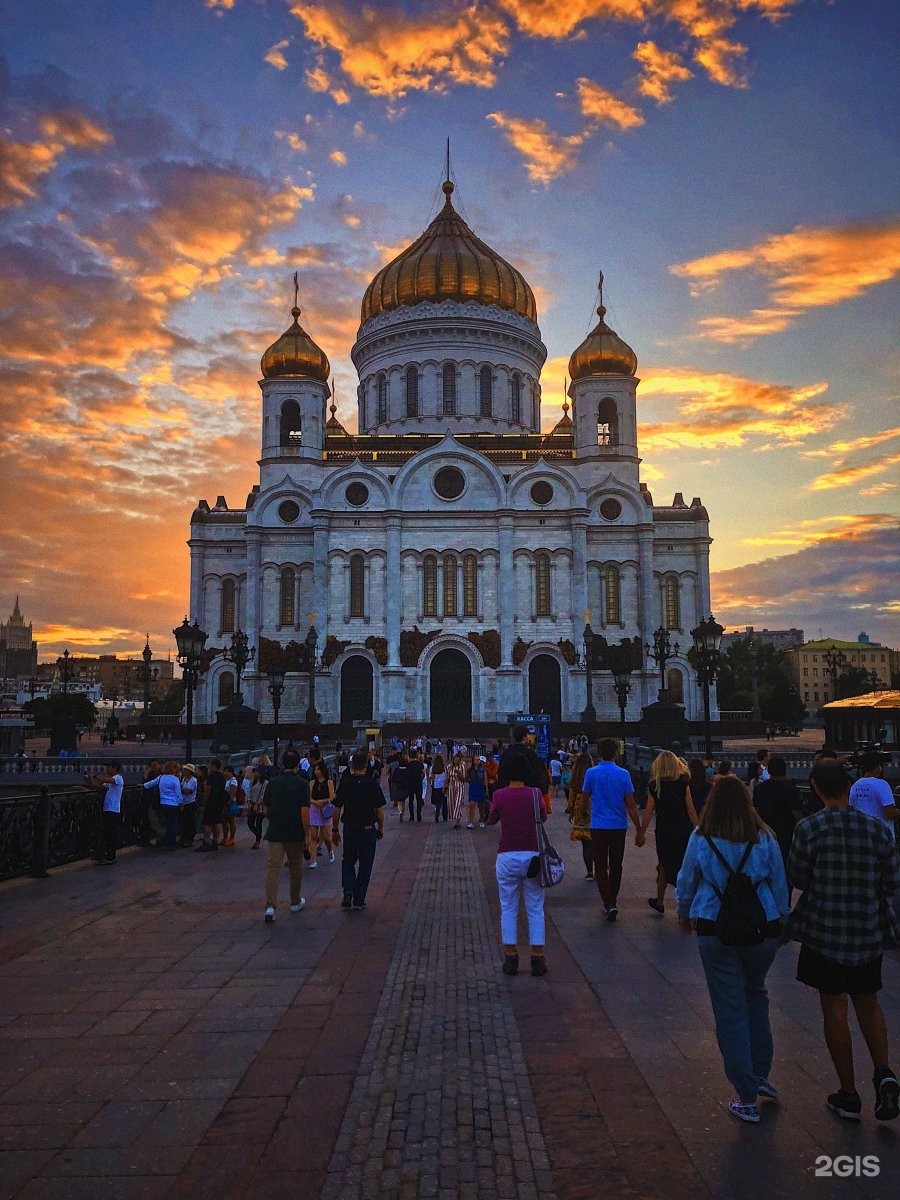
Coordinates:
742	917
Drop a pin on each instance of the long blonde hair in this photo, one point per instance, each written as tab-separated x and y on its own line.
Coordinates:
667	765
579	770
729	813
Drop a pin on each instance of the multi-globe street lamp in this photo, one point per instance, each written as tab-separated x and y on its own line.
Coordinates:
835	661
661	652
147	674
705	660
240	653
312	638
276	691
65	671
190	641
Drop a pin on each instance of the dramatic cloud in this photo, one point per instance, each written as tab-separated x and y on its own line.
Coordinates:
660	69
601	107
848	476
24	163
804	269
294	140
860	443
390	54
275	57
546	153
842	580
338	157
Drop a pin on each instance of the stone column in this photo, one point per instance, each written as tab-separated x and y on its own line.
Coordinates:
320	576
646	597
506	583
393	591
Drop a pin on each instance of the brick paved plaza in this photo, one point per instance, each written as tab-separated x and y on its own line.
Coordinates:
159	1040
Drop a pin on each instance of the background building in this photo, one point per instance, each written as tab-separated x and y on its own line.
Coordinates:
449	550
18	649
781	639
815	675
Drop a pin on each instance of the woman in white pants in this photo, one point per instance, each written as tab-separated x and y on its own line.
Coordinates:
513	807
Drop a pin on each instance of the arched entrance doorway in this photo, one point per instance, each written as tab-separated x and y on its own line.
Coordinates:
545	686
357	689
675	684
451	687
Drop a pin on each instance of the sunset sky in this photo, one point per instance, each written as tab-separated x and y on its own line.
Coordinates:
730	165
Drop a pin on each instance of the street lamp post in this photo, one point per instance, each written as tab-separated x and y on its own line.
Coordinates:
661	652
312	637
835	660
147	674
190	640
622	684
65	671
753	656
241	654
705	660
276	691
589	716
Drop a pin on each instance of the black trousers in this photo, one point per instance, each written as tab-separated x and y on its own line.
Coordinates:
109	836
359	855
415	805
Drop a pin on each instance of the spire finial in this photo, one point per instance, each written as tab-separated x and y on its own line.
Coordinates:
565	396
447	186
295	311
601	311
333	405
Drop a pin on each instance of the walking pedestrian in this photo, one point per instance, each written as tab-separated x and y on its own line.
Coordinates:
514	808
214	799
699	784
113	785
537	769
578	808
258	785
777	801
232	807
456	788
400	781
844	861
609	791
872	793
477	792
415	778
286	804
555	768
758	772
321	812
359	804
731	842
669	796
439	788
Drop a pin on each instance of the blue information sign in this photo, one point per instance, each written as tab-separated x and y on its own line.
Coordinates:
538	726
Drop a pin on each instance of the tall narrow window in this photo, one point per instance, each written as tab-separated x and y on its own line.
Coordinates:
290	430
613	597
515	399
382	399
287	613
672	603
486	392
542	585
450	608
412	391
429	586
227	614
607	423
470	585
448	381
357	586
226	688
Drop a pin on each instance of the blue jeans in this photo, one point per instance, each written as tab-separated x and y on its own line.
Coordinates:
736	978
356	864
172	814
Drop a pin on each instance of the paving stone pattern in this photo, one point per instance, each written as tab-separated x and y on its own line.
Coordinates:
442	1105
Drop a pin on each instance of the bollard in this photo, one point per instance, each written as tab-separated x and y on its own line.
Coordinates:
41	853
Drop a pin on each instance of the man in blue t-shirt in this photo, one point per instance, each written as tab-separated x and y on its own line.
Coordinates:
611	794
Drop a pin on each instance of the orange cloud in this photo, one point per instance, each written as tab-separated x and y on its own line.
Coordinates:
389	54
24	164
806	268
547	154
294	140
601	107
846	476
339	157
275	56
559	19
860	443
660	69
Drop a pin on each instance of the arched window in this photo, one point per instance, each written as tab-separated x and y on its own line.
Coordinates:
613	588
227	613
226	688
448	380
671	603
429	586
470	585
675	685
357	586
450	603
542	598
412	391
607	423
290	424
536	407
287	610
486	391
515	399
382	399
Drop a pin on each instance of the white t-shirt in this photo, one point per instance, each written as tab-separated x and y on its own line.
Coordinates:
555	768
872	796
189	790
112	800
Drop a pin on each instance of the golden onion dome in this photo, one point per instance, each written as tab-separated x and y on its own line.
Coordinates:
448	262
295	353
602	353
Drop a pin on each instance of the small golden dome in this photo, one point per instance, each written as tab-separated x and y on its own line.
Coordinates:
448	262
602	353
295	353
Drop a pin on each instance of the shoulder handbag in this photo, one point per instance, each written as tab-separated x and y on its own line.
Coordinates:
551	868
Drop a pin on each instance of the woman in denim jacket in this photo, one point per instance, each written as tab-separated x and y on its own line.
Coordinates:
735	975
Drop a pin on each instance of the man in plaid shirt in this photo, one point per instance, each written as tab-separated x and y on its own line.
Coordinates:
845	864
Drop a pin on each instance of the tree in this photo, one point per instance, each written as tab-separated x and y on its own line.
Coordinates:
854	681
74	706
173	701
779	699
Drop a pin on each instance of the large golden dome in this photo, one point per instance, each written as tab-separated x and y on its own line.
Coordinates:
295	353
448	262
602	353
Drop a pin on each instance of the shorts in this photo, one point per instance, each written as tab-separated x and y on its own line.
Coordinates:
212	814
834	978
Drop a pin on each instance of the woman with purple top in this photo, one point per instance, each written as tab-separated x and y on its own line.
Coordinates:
514	808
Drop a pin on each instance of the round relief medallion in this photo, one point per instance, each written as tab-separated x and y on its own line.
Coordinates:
541	492
356	494
610	509
449	483
289	510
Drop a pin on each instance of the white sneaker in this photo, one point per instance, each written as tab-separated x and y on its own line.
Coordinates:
312	865
270	915
470	826
298	907
331	856
481	824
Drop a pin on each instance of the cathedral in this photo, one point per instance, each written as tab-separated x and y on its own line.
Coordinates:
449	552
